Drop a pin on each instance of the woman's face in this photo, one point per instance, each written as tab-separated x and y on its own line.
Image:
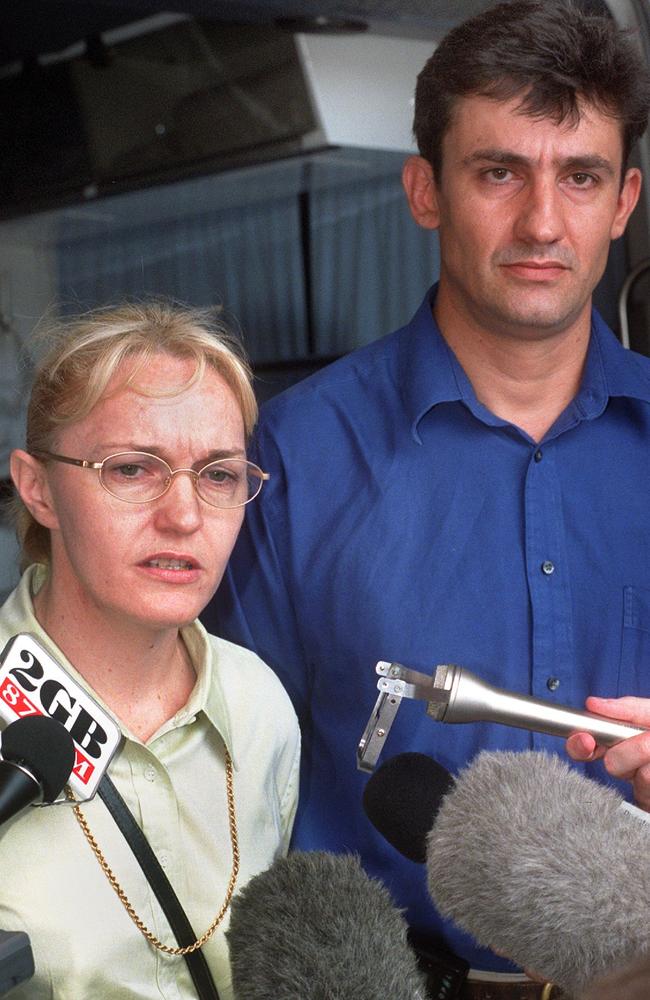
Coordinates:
156	563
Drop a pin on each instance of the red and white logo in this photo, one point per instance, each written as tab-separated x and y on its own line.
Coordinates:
32	682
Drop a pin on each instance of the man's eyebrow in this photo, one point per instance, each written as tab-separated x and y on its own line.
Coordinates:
589	161
496	156
584	161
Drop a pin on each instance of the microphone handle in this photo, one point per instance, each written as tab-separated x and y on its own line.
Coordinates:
474	700
18	789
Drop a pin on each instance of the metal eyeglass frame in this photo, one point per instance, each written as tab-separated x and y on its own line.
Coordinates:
84	463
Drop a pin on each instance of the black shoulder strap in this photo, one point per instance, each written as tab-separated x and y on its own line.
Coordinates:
161	886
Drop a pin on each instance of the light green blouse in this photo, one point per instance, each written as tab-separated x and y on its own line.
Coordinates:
51	886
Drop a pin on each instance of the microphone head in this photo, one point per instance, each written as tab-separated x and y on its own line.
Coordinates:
44	747
543	865
402	799
315	926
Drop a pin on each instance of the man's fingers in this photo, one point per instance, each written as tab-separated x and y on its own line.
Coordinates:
628	757
641	786
627	709
582	747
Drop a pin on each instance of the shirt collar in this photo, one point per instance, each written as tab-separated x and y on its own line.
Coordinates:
426	372
206	695
623	372
429	372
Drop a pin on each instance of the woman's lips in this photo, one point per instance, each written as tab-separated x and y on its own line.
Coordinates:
170	562
171	568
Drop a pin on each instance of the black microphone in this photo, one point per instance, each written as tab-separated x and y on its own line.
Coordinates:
401	799
316	926
38	755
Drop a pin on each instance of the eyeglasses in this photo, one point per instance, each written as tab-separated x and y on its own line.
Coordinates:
137	477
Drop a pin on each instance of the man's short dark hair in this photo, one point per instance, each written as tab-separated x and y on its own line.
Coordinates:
551	53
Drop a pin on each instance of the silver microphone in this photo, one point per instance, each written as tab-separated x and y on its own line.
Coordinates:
454	694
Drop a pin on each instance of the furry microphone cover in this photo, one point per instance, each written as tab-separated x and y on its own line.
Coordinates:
543	865
314	926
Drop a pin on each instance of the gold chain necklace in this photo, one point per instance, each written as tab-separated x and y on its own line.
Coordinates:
151	938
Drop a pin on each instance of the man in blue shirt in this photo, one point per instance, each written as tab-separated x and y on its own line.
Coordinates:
473	488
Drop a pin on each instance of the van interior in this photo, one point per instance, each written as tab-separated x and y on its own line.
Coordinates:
239	155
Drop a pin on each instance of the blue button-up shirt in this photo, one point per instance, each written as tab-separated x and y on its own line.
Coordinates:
405	521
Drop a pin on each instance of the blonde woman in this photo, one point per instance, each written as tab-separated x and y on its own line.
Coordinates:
132	487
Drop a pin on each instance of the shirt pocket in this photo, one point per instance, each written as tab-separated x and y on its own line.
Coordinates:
634	673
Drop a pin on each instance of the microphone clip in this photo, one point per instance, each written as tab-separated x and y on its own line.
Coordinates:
395	683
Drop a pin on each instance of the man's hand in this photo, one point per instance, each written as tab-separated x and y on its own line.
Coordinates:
629	759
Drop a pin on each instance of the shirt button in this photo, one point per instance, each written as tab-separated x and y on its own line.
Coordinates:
538	455
553	683
548	567
150	773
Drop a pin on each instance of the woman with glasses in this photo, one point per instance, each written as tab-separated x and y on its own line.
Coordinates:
132	489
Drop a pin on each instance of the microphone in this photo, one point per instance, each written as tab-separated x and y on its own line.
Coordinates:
33	682
402	798
543	865
533	860
37	759
314	925
455	695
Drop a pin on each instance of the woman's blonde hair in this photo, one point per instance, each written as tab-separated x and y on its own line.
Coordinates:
85	353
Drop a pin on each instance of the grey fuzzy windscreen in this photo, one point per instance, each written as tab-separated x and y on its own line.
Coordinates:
543	865
316	927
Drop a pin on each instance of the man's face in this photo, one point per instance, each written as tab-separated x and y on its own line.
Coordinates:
526	210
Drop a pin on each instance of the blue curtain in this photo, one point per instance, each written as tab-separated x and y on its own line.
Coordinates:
245	259
370	263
